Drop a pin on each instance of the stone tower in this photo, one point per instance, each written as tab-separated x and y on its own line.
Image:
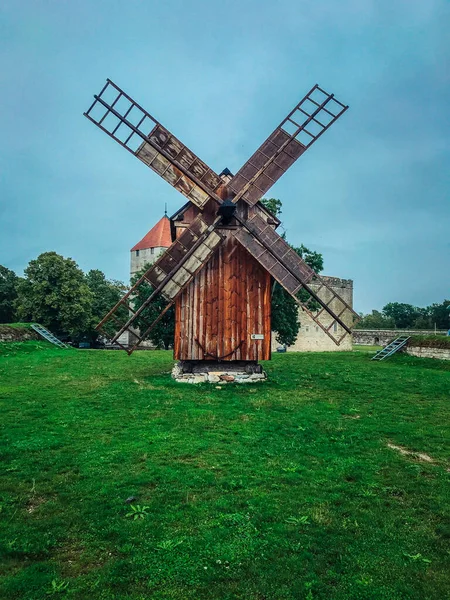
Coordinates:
152	245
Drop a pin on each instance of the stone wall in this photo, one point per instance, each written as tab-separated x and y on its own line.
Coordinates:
17	334
381	337
311	338
426	352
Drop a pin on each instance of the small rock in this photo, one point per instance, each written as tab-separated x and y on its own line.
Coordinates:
226	377
212	378
197	379
130	499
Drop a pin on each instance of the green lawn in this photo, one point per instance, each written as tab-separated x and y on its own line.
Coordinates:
281	490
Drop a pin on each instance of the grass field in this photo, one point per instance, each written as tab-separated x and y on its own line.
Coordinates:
330	481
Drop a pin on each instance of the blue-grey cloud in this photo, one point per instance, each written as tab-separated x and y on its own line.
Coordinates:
372	194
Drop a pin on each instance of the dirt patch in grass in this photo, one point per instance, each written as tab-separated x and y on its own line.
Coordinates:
419	455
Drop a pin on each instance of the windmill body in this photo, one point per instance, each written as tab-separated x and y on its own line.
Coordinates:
225	253
224	312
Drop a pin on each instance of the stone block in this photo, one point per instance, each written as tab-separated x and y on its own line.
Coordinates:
226	377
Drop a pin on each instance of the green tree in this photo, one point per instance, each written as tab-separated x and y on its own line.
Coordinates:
376	320
273	205
439	314
285	309
105	294
162	335
403	315
8	294
55	294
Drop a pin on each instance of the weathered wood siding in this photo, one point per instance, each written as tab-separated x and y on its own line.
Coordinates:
226	302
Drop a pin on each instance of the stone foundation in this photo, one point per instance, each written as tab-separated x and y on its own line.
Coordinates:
205	371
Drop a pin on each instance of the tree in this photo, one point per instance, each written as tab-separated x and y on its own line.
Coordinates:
376	320
55	294
285	309
273	205
440	314
403	315
8	294
162	335
105	294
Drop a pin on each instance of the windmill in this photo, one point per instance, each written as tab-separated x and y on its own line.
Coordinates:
225	253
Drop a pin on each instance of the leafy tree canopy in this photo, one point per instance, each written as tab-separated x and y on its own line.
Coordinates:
376	320
403	315
273	205
399	315
8	294
55	294
105	294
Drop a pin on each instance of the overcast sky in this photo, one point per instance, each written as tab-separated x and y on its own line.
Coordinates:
371	194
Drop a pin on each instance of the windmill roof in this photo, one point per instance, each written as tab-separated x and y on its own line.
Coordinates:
159	236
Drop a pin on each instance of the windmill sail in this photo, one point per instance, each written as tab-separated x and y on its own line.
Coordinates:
168	276
123	119
306	122
294	275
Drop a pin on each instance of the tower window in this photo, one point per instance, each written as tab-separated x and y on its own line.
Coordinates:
152	250
137	252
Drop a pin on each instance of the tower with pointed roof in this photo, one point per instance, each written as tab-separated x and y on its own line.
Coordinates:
152	245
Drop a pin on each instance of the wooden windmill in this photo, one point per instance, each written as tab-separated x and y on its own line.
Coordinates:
225	253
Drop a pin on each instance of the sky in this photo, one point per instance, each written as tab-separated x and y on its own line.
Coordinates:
372	195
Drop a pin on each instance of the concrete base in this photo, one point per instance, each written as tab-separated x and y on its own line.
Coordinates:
206	371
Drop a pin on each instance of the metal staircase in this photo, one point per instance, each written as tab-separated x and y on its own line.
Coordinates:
47	335
391	348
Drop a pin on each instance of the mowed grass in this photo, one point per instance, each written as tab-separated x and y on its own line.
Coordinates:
281	490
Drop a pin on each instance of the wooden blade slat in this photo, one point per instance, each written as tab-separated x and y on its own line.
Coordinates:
272	172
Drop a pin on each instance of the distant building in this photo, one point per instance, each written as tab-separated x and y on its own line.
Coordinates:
311	337
152	245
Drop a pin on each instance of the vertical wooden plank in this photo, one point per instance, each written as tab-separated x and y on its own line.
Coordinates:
227	301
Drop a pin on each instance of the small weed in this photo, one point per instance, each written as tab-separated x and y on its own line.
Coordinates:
292	468
58	587
137	512
417	556
304	520
168	545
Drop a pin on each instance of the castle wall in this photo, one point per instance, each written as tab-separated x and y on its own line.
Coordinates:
311	338
381	337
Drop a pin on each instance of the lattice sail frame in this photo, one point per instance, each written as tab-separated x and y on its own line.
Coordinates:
161	151
168	276
294	275
123	119
306	122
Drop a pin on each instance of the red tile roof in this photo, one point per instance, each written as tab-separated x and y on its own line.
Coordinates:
158	237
